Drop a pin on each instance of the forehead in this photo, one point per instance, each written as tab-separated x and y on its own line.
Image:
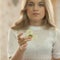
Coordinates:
35	0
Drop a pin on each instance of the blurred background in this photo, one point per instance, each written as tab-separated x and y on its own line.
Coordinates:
9	12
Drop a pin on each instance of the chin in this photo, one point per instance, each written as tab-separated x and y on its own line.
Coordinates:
36	19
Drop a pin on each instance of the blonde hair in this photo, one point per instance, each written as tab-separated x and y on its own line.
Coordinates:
23	21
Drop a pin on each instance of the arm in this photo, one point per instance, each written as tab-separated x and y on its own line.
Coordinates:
55	59
17	45
56	47
18	55
13	49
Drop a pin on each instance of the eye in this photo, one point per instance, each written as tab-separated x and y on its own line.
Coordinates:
30	4
41	4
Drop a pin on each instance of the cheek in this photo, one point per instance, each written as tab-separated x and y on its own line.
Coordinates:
29	11
42	11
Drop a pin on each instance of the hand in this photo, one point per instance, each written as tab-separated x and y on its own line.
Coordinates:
22	41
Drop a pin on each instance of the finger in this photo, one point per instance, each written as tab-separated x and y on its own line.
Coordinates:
22	42
23	47
28	39
20	34
21	38
24	39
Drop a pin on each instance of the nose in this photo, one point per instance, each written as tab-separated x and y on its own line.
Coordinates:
35	8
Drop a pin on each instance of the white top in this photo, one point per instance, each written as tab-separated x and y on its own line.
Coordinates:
44	44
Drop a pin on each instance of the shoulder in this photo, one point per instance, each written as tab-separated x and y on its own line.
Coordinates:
57	35
54	31
14	32
57	31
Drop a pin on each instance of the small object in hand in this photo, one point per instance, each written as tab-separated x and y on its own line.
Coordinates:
30	36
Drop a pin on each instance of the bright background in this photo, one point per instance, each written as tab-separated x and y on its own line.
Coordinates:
9	12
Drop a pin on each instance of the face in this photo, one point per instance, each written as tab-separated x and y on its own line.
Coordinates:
35	10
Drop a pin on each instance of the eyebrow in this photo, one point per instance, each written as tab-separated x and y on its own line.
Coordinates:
30	2
33	2
41	2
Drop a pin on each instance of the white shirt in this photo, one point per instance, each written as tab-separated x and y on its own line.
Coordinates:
44	44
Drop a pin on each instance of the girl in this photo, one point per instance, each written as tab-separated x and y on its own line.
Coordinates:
35	36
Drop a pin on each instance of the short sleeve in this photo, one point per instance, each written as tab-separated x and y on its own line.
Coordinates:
56	47
12	42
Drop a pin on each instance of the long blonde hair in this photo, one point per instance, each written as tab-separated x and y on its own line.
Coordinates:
23	21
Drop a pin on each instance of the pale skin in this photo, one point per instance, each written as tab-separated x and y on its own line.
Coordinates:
36	12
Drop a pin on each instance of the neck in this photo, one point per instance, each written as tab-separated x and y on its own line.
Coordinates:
35	23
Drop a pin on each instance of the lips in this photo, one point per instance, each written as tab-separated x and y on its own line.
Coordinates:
35	14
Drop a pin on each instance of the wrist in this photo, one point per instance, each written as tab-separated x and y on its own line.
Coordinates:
21	50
